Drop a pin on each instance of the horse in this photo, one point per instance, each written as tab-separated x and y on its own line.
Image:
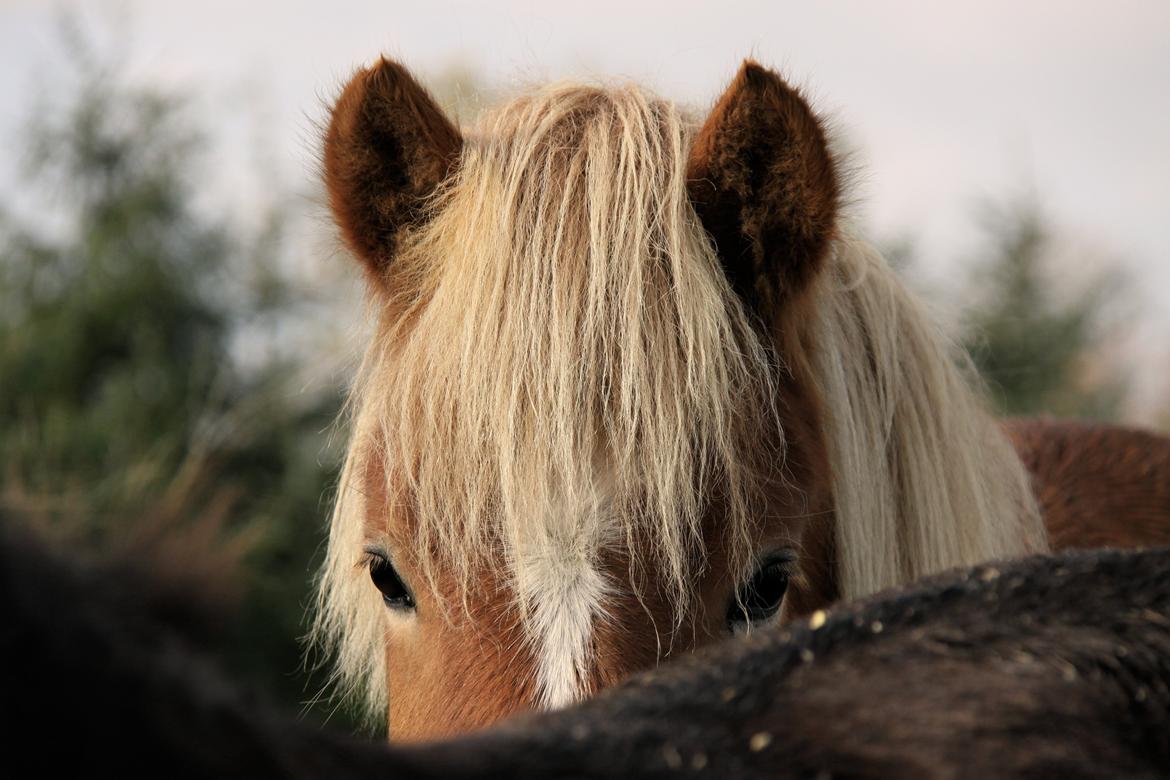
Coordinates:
635	386
1063	663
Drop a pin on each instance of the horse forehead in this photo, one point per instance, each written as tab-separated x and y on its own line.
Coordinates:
563	589
563	598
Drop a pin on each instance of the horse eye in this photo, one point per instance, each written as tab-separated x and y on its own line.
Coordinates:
760	598
386	579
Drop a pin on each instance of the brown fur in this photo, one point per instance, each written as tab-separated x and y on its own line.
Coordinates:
1098	485
470	676
471	657
764	185
388	148
806	465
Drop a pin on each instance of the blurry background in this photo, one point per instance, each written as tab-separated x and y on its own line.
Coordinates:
177	325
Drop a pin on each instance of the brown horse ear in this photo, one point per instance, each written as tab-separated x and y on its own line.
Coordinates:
387	148
762	181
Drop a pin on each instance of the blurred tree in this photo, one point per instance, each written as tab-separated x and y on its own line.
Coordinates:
125	418
1040	349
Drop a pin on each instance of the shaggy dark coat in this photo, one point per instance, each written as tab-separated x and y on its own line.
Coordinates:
1046	667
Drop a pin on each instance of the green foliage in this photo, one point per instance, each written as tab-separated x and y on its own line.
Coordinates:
109	328
1039	348
124	412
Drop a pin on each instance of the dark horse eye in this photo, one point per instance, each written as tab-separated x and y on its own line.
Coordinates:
386	579
760	598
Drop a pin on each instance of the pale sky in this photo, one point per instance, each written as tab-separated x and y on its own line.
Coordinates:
945	102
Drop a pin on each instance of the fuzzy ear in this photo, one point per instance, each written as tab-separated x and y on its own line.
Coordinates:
764	185
388	147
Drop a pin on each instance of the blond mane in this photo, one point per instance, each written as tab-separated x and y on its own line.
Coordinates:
924	479
563	367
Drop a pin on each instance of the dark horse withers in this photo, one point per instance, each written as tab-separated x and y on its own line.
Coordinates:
1038	668
634	387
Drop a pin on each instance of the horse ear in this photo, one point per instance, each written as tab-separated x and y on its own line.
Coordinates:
387	148
764	185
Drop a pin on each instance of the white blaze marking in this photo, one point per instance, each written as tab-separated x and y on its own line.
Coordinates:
562	593
564	598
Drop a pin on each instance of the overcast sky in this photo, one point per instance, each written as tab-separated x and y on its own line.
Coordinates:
945	102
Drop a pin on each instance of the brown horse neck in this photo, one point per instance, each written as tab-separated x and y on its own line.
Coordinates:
1098	485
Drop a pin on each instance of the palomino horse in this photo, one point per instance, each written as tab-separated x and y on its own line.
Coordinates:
633	388
1063	662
